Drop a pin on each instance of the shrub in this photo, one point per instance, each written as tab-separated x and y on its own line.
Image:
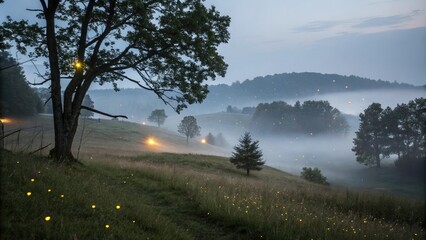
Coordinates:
314	175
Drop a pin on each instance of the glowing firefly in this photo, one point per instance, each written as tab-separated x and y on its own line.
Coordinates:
47	218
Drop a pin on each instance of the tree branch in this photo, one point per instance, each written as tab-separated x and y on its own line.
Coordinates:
15	65
40	83
103	113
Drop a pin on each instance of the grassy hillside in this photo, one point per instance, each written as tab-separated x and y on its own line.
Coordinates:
124	188
173	196
103	136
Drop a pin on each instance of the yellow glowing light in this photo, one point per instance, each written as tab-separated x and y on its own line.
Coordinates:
134	221
203	141
29	194
107	226
5	120
151	141
117	207
93	206
78	64
62	195
32	180
49	190
47	218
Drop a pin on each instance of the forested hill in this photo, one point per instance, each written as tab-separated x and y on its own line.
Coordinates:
296	85
138	103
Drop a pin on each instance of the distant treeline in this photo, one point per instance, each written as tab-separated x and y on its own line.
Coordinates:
140	103
16	97
311	117
296	85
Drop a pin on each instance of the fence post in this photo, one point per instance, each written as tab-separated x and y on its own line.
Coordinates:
1	135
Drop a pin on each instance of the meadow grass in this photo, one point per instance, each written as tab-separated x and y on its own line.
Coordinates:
175	196
274	207
81	204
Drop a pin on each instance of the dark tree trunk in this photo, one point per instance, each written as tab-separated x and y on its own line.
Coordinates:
378	160
248	172
60	150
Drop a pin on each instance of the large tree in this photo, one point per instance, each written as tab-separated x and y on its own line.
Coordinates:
158	116
371	139
189	127
165	46
247	154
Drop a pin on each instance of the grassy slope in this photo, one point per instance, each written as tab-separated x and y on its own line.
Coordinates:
175	196
104	136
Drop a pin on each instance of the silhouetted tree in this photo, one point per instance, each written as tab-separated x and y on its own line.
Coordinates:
371	138
87	101
44	95
220	140
231	109
210	139
247	154
248	110
16	97
314	175
312	117
171	46
157	116
189	127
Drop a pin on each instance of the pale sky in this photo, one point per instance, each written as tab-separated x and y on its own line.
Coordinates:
276	36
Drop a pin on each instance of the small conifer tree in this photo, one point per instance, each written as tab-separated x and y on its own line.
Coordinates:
247	154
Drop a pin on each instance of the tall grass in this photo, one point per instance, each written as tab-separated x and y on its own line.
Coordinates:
269	209
172	196
81	204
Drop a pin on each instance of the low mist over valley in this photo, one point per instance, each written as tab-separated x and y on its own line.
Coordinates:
202	119
222	113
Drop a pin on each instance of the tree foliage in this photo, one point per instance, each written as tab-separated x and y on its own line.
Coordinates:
16	97
157	116
370	141
399	131
313	175
311	117
168	47
210	139
247	154
189	127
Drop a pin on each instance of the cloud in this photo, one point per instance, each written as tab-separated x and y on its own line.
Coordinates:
317	26
387	21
